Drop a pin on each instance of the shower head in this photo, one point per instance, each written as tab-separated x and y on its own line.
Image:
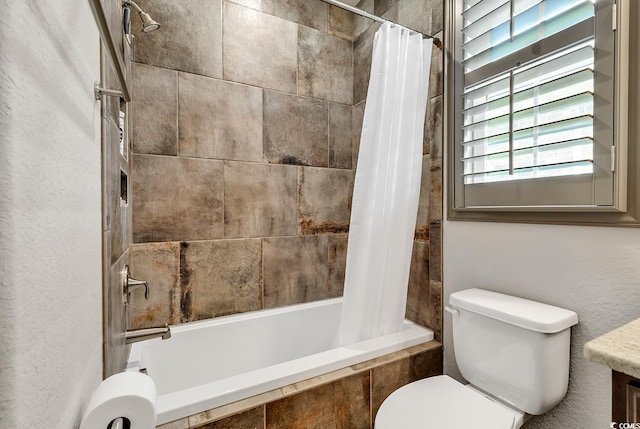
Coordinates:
148	24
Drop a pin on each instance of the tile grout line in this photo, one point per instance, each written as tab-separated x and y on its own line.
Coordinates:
371	422
328	135
224	200
298	210
264	158
264	416
177	113
262	288
297	60
223	7
234	82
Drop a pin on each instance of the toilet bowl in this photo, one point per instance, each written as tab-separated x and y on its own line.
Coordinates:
440	402
513	352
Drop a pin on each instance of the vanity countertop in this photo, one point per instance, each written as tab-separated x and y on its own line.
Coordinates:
619	349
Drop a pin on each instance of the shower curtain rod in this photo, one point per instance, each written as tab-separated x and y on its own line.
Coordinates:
376	18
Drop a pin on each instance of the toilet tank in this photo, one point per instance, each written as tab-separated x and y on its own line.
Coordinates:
512	348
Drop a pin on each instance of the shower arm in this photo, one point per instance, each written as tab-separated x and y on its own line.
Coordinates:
148	23
134	4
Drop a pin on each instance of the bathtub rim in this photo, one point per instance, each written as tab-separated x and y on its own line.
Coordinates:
193	400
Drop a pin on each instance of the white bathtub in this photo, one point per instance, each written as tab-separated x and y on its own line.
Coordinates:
214	362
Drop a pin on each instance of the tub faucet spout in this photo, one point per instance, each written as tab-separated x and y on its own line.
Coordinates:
135	335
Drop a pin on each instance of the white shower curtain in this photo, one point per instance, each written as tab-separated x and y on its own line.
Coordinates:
387	186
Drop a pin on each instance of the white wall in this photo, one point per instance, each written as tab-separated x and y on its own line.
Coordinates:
50	221
594	271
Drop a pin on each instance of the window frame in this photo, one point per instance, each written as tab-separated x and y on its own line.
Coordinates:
625	207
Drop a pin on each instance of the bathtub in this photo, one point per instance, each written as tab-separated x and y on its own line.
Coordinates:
214	362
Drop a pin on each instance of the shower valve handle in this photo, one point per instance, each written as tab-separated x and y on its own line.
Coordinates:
133	283
129	284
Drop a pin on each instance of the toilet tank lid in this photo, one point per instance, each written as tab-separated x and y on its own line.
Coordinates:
524	313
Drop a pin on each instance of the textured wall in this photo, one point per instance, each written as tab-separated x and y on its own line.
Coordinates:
593	271
50	256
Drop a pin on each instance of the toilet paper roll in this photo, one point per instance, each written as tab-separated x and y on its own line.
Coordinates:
130	395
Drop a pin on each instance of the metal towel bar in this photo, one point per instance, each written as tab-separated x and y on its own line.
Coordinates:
113	53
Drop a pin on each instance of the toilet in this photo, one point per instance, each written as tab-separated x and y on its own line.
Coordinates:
513	352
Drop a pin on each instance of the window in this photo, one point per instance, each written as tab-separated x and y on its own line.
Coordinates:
537	105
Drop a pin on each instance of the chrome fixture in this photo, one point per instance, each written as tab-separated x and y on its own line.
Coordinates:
98	91
135	335
134	284
129	284
148	24
376	18
119	423
108	42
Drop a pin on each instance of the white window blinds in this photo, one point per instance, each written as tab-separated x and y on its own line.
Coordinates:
532	120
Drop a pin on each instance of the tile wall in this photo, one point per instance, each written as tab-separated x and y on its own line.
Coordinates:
116	207
246	124
242	164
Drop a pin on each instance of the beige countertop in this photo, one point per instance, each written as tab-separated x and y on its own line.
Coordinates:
619	349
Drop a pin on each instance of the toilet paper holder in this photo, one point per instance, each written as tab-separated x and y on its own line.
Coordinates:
126	400
120	423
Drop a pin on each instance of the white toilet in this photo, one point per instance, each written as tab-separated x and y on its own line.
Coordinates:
514	353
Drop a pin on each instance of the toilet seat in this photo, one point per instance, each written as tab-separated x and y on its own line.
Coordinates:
441	402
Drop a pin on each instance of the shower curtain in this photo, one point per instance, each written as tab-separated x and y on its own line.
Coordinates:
387	186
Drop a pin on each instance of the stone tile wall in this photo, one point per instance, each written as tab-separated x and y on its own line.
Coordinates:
116	219
246	125
242	164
